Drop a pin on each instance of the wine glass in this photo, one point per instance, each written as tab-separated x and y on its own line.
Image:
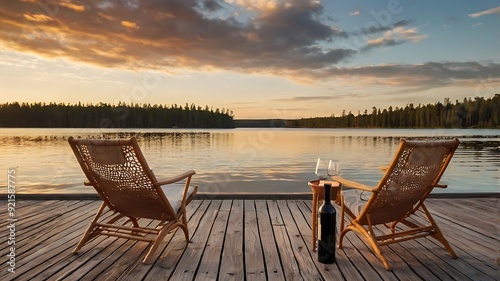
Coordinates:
333	168
322	169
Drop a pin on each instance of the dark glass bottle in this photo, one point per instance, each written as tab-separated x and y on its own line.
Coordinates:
327	225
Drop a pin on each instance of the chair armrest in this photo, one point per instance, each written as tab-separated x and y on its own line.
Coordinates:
353	184
86	183
441	185
177	178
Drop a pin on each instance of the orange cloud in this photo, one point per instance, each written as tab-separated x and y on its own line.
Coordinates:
105	16
37	17
275	41
130	24
288	41
74	7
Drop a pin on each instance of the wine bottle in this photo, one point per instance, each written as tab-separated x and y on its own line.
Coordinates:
327	226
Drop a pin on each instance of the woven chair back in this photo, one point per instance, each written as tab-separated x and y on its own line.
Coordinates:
414	172
120	174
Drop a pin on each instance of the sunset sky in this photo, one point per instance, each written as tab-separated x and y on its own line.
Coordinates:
258	58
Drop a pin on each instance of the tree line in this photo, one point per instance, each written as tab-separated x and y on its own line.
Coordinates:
105	115
470	113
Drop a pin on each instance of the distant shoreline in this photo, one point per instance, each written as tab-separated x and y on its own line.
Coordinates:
477	113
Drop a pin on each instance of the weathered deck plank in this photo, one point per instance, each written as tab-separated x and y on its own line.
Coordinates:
231	264
209	264
304	258
302	216
274	271
172	254
51	240
188	264
248	240
254	256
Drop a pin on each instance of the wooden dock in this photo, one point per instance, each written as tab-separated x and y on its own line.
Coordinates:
246	240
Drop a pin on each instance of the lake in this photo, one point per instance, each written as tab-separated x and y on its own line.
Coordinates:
260	160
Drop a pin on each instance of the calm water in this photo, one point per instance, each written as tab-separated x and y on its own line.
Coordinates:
246	160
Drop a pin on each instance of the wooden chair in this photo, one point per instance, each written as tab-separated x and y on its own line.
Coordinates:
393	203
121	176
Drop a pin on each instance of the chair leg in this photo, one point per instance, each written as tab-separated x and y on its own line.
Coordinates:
184	224
342	218
371	239
438	235
373	243
341	236
159	238
134	221
89	233
314	214
85	238
184	227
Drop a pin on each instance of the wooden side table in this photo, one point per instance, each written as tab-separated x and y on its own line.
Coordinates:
318	193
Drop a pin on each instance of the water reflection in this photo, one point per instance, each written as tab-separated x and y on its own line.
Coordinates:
247	160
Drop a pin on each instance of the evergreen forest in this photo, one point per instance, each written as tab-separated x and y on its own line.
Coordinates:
102	115
479	112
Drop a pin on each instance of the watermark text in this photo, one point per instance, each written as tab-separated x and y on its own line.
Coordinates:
11	220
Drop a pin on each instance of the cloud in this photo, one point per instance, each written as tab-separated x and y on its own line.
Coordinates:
260	5
282	38
380	28
380	42
211	5
487	12
402	79
320	98
37	17
409	34
421	76
355	13
396	36
74	7
275	37
129	24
